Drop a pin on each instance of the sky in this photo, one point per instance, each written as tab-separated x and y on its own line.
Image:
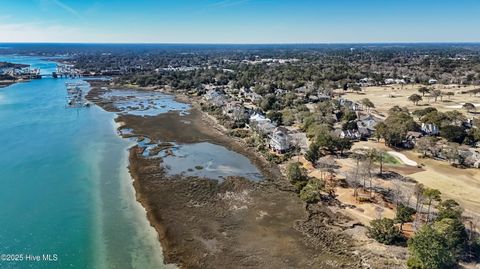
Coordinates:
239	21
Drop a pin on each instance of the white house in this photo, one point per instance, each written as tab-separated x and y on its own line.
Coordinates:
215	97
430	129
261	124
365	82
350	104
389	81
432	81
349	134
394	81
280	142
369	121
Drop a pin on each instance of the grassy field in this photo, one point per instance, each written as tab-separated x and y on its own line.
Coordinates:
391	160
385	97
462	185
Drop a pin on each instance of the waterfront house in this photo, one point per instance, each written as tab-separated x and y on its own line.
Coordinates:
280	142
261	124
235	110
215	97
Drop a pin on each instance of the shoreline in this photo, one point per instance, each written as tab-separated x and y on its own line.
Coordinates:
7	83
154	223
184	210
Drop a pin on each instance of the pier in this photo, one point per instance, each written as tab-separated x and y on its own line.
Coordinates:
76	96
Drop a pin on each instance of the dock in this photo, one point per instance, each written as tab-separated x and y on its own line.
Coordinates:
76	95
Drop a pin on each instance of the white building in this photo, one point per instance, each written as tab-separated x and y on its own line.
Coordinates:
350	104
280	142
432	81
261	124
215	97
349	134
430	129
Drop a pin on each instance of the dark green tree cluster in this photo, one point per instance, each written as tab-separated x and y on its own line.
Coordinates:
442	243
404	214
327	142
395	127
384	231
307	188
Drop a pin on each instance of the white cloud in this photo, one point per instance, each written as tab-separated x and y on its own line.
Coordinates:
66	7
37	32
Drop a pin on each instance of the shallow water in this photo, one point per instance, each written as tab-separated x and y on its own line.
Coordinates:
208	160
198	159
65	189
144	103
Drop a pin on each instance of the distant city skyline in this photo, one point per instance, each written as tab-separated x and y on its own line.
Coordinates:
240	21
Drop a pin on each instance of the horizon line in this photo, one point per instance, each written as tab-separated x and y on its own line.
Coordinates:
233	43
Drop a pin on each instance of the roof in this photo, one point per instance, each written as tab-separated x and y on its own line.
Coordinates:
414	134
281	129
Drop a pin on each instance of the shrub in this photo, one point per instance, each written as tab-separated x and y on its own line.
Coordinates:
404	214
385	232
310	193
296	173
428	250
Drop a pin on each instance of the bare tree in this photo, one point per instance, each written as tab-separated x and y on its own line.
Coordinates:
380	157
326	164
397	190
353	180
419	198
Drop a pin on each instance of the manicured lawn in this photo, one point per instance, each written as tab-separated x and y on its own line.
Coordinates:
389	159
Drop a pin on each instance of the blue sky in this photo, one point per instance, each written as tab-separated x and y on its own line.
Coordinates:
239	21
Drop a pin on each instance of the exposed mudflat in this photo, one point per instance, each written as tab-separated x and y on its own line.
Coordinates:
235	223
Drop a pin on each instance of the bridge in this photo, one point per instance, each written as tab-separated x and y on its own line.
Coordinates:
62	71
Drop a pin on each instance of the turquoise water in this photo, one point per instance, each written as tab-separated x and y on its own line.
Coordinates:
65	189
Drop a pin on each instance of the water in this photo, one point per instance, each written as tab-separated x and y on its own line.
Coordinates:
210	161
144	103
65	189
198	159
